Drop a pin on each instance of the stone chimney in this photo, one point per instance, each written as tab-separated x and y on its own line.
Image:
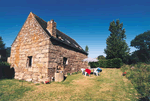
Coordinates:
51	27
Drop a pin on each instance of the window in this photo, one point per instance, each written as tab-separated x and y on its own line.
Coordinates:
56	36
80	48
67	41
65	61
60	38
76	45
29	61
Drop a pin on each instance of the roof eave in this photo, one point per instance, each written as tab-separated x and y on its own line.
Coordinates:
70	46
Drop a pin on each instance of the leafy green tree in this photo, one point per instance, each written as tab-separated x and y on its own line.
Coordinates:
101	57
116	45
142	43
86	49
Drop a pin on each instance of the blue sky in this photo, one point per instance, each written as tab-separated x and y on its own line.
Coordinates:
86	21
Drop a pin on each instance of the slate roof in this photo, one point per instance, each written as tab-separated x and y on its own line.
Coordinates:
61	37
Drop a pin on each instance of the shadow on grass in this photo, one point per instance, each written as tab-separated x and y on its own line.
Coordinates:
144	99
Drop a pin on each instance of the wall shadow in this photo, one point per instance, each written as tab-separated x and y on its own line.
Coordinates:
65	77
6	72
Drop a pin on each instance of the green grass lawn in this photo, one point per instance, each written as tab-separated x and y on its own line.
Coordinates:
109	86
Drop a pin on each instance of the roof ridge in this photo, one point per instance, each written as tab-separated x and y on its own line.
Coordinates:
38	17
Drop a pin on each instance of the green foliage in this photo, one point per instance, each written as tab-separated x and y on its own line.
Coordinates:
116	45
2	64
109	63
6	71
142	43
68	74
140	56
117	62
79	71
139	77
8	49
86	49
101	57
4	52
93	64
37	84
102	63
2	45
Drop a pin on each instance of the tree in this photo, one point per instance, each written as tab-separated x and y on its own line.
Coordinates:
101	57
86	49
116	45
142	43
2	45
8	49
2	50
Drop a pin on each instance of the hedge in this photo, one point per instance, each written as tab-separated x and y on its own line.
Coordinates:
109	63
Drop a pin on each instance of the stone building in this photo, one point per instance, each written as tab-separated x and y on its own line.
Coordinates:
40	49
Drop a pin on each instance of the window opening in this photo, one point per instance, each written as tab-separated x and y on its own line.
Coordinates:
67	41
29	61
65	61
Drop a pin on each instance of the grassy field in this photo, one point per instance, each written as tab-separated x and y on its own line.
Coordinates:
109	86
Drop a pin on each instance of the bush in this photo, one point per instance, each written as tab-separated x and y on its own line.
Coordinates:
109	63
2	64
6	71
102	63
139	77
94	64
68	73
79	71
116	62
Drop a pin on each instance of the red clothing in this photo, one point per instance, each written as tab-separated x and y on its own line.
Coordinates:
88	71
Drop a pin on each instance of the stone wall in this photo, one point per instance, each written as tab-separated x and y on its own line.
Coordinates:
31	41
58	51
51	73
46	54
